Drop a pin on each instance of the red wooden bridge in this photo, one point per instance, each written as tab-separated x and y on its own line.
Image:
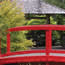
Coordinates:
45	55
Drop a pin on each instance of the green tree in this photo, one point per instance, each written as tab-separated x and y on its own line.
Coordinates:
57	36
59	3
38	36
11	16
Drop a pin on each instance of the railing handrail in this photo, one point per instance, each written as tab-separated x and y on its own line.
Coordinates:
38	27
48	29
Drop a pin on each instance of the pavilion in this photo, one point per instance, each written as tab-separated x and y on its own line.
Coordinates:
39	7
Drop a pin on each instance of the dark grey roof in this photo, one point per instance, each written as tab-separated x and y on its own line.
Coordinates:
39	7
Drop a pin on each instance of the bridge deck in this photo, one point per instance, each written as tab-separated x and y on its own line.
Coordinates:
34	56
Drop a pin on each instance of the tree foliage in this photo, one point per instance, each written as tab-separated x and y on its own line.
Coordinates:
59	3
39	36
11	16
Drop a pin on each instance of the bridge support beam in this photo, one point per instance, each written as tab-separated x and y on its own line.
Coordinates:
8	42
48	40
48	43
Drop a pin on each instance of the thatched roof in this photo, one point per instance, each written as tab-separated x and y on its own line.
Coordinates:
39	7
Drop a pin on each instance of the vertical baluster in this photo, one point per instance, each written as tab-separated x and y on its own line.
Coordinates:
48	43
8	42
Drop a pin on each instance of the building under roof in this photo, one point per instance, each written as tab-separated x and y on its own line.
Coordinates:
39	7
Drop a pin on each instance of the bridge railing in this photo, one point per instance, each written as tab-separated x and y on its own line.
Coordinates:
43	55
48	30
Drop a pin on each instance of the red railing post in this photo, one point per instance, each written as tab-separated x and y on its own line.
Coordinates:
8	42
48	40
48	43
0	47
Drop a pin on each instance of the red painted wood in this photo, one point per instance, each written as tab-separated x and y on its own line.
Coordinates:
48	50
24	59
0	46
57	51
8	42
38	27
24	52
56	59
48	44
34	59
48	40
